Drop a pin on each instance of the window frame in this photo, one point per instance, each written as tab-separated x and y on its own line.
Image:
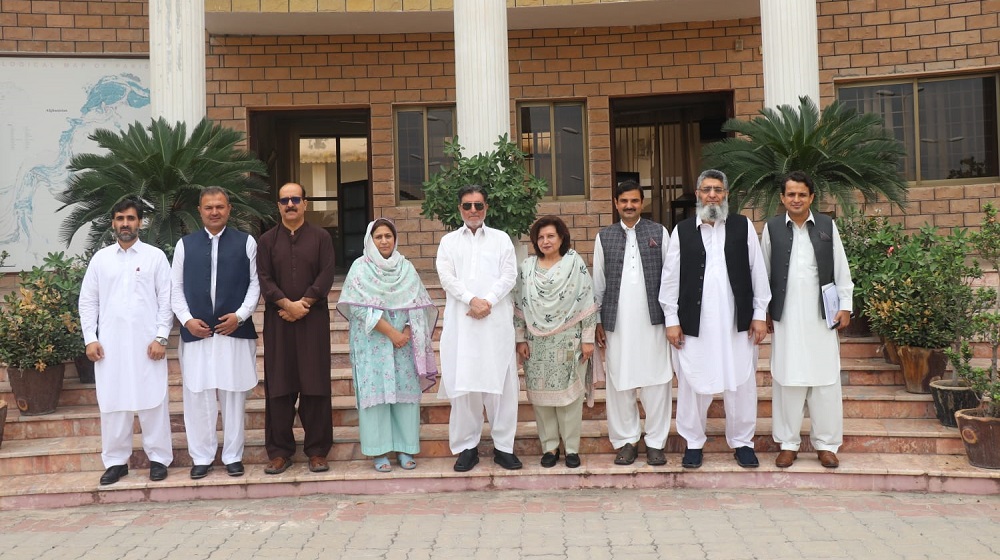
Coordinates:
422	108
914	80
552	195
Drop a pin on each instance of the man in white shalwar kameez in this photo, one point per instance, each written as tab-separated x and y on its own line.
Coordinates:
628	264
477	269
125	317
714	294
803	253
215	293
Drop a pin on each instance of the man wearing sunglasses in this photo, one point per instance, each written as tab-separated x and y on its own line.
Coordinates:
714	294
477	269
295	265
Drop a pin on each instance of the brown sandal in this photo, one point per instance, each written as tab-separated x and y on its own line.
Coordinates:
626	455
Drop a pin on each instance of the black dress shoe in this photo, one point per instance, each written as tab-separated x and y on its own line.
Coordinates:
572	460
113	473
550	459
235	469
692	459
467	459
157	471
506	460
746	458
200	471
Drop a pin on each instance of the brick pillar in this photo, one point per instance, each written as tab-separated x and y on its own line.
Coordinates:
482	81
177	60
790	51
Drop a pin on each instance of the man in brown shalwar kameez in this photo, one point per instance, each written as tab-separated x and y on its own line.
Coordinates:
295	265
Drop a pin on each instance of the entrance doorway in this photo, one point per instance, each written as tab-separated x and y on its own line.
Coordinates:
658	141
327	152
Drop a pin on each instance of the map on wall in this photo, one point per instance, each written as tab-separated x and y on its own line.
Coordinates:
48	108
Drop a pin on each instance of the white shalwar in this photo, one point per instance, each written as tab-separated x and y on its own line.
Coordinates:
218	371
478	359
637	356
125	305
720	359
805	353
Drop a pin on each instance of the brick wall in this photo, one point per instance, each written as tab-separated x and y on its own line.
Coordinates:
104	26
380	71
888	38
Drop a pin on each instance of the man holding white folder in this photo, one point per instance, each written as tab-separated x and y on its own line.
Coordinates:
804	255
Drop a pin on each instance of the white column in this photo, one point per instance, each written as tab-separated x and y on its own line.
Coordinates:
482	81
791	51
177	60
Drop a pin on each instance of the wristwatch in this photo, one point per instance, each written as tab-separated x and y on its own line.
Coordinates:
239	322
160	340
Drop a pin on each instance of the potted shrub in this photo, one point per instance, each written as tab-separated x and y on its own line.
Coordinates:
513	193
923	300
866	240
980	427
38	336
65	274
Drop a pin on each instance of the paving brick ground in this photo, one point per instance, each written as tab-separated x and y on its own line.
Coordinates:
585	524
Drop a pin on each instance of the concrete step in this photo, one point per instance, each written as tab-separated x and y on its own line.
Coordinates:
76	453
860	402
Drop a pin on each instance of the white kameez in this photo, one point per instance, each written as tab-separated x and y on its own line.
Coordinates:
217	371
476	354
125	295
217	362
637	353
720	358
804	351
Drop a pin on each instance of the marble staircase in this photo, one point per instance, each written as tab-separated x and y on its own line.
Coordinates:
892	442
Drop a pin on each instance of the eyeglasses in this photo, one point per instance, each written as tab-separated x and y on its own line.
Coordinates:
468	206
712	190
296	200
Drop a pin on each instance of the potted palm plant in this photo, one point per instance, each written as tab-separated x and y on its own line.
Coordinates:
39	335
165	168
845	152
513	193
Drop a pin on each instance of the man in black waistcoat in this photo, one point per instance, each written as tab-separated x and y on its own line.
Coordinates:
628	263
714	294
214	295
804	255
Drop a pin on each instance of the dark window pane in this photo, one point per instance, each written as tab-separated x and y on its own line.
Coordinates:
536	141
570	167
440	129
958	128
894	103
410	154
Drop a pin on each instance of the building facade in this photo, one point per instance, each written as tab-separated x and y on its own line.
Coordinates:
354	98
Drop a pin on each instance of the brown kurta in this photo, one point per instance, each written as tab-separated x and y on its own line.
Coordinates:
296	354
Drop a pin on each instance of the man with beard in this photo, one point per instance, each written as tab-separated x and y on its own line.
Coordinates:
125	316
295	265
714	292
628	264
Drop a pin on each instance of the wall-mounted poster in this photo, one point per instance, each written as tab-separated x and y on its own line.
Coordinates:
48	108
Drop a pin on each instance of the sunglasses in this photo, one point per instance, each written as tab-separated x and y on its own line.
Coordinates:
468	206
296	200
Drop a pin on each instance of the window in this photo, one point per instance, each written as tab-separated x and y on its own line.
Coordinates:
421	133
947	126
553	137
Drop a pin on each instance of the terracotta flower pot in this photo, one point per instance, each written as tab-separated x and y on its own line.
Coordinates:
981	436
890	352
84	369
951	397
919	366
36	392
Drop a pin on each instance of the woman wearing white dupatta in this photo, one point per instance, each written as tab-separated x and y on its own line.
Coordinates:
392	320
555	316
